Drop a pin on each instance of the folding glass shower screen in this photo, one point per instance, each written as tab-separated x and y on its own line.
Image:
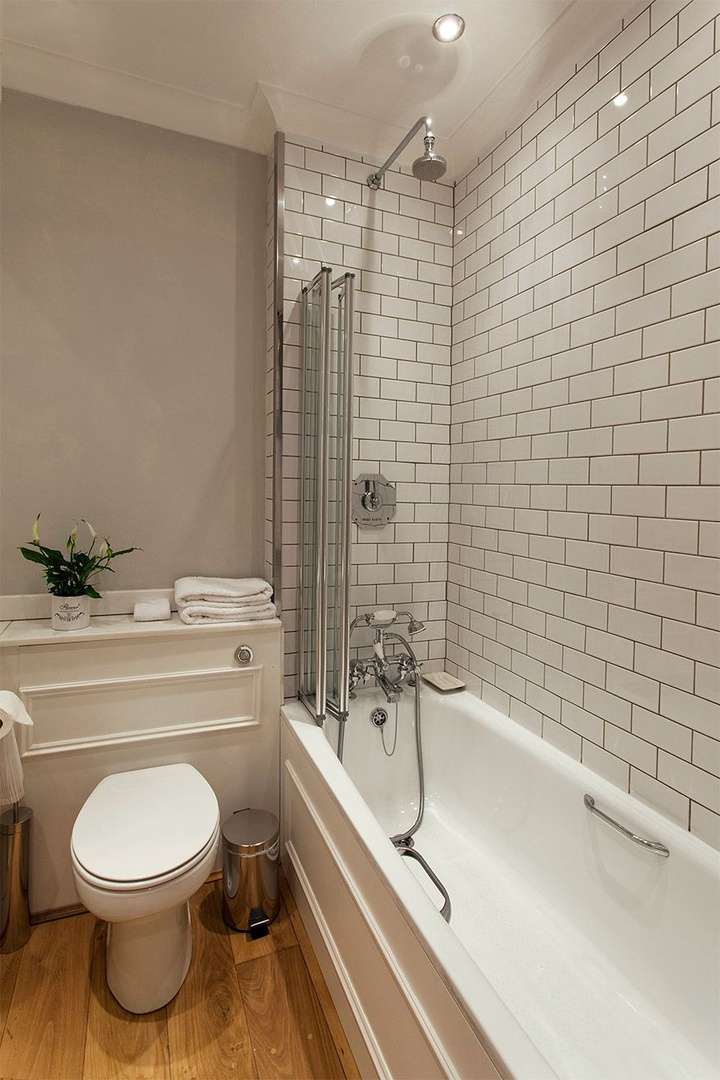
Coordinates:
325	496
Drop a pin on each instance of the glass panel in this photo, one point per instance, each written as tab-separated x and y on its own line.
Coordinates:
313	416
310	413
335	517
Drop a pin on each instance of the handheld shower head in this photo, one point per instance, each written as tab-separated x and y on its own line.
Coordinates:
430	166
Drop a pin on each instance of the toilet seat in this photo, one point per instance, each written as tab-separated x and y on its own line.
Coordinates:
142	828
147	883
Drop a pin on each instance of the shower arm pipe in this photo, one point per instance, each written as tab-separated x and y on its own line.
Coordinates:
347	299
322	500
374	179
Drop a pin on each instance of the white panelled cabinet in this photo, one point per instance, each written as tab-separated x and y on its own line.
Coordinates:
123	695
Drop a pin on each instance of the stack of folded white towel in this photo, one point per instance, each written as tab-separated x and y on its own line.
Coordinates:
207	599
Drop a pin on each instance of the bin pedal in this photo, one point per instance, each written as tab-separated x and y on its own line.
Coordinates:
258	923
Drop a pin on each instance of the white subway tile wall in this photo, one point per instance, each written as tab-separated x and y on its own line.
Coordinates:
537	366
398	243
583	570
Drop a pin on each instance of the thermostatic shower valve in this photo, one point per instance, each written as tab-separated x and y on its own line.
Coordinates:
373	501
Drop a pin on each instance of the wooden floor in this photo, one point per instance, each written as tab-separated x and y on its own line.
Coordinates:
247	1009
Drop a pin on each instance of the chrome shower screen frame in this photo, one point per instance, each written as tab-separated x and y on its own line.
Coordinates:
325	496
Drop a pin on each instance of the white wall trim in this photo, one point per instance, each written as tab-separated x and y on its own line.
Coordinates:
77	82
51	748
159	734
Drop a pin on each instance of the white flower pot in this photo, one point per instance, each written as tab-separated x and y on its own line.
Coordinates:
70	612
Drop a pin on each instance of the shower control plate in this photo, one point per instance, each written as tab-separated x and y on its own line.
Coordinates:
373	501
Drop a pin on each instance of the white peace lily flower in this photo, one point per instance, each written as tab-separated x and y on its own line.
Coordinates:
73	574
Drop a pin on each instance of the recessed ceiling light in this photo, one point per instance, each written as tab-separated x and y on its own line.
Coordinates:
448	27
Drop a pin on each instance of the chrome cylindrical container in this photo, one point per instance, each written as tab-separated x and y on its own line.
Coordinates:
15	878
251	893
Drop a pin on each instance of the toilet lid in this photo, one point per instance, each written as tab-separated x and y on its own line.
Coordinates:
140	825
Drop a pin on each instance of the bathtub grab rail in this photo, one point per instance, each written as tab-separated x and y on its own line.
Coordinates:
651	845
410	853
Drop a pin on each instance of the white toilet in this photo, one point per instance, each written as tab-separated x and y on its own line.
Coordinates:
142	844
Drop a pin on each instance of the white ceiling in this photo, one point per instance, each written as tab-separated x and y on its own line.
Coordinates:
353	74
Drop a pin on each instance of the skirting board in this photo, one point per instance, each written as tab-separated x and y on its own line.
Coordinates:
77	909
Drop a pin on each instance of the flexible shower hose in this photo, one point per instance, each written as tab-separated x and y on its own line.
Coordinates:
400	837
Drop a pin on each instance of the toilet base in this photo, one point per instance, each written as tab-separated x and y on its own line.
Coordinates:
147	959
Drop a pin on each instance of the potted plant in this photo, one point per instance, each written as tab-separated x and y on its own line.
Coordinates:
70	576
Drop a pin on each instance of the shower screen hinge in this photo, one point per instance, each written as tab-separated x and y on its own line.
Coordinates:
373	501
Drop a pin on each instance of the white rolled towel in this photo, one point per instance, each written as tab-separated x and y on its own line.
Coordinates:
12	711
223	590
205	612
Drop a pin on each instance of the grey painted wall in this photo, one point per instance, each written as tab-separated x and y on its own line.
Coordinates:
133	344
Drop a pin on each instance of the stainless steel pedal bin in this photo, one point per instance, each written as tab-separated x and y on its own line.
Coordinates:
251	849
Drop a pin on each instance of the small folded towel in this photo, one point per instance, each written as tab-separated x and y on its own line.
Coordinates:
152	610
223	590
204	612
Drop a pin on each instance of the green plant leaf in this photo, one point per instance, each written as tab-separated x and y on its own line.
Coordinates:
32	556
69	574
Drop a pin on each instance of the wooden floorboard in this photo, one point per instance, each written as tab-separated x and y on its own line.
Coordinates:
209	1037
119	1044
248	1010
47	1020
290	1036
9	967
281	936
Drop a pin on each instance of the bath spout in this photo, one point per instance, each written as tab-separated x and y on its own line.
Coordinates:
391	690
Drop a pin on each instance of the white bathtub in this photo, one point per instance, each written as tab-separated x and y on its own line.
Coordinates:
571	951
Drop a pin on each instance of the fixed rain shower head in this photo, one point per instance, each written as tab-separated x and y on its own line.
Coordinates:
430	166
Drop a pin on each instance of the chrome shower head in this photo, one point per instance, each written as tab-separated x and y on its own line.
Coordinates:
430	166
415	627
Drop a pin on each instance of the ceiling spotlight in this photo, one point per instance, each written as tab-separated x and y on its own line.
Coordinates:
448	27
